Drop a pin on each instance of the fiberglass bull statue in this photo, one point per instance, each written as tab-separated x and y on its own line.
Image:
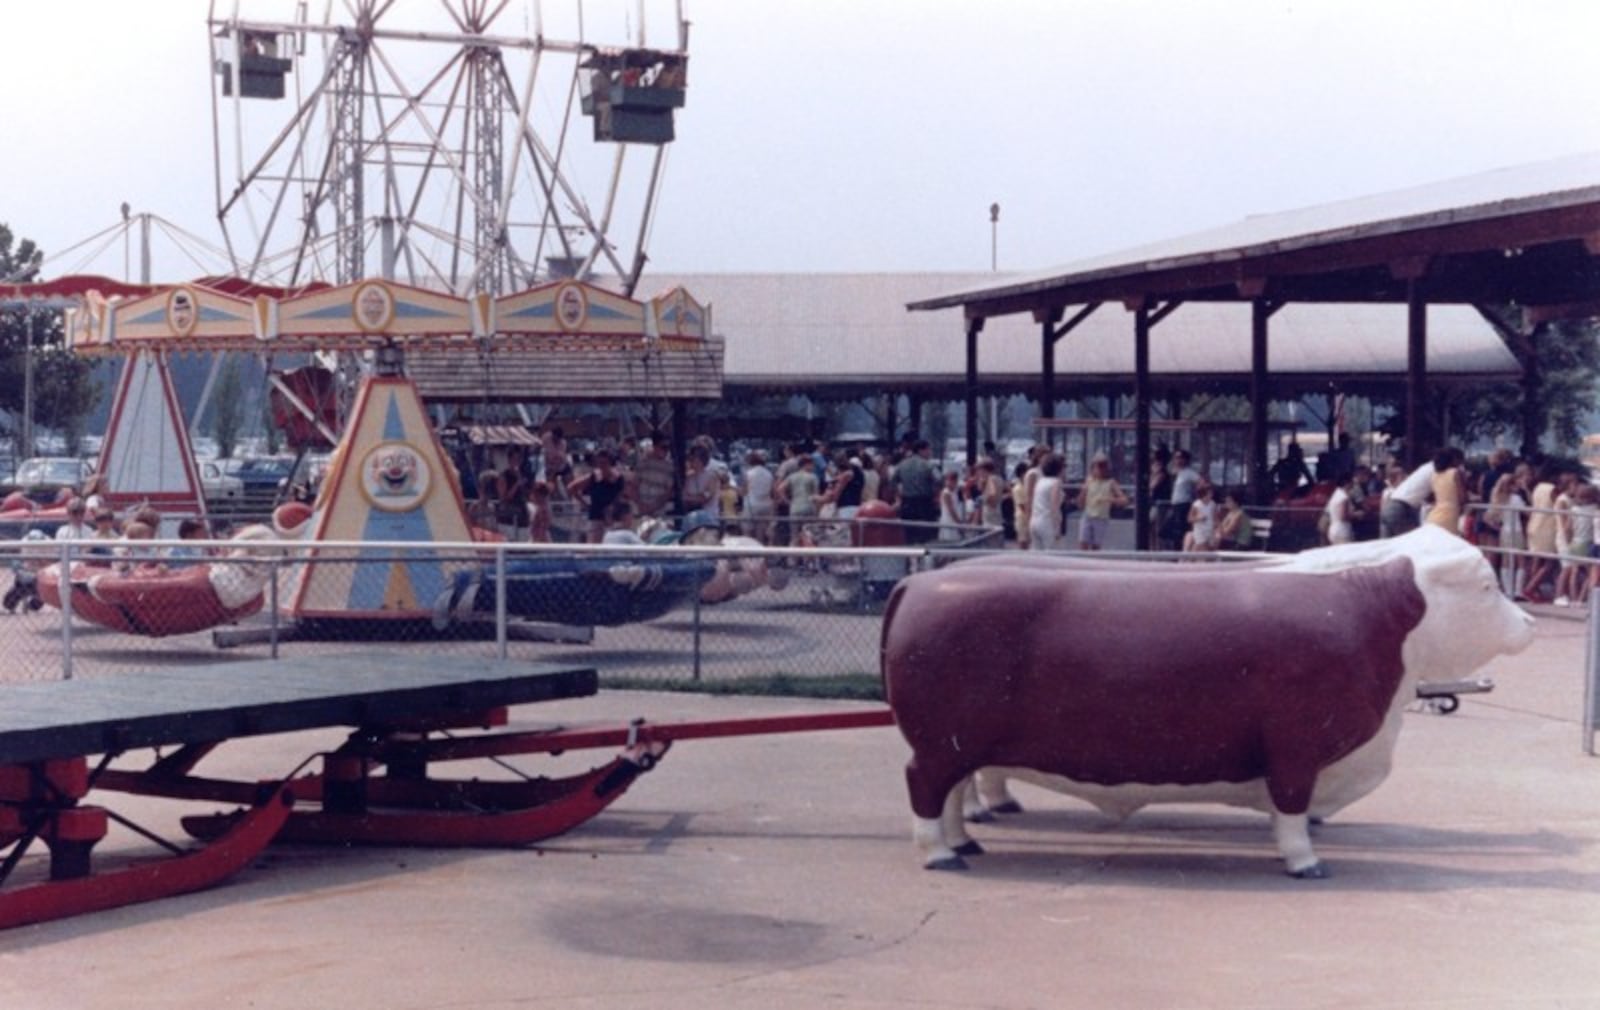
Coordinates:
1277	687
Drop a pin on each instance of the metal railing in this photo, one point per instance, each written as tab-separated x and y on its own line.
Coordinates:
774	610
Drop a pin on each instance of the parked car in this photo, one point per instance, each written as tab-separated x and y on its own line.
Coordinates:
260	475
43	477
217	485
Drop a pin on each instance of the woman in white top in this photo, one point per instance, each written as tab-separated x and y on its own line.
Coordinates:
758	504
1044	511
950	512
1340	528
991	492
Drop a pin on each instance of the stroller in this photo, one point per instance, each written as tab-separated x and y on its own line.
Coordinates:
25	565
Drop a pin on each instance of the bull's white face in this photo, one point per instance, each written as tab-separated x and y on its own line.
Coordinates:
1468	620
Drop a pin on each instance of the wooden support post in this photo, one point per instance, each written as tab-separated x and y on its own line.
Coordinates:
1533	417
1141	437
1416	371
974	327
1521	342
1047	389
1260	312
1049	335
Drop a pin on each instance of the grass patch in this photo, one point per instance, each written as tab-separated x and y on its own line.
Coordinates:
841	686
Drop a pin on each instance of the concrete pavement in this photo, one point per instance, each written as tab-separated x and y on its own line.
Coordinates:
778	872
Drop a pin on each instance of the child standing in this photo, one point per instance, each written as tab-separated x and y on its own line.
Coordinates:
1202	535
1099	495
1573	586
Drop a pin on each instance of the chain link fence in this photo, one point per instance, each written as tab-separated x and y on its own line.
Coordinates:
638	614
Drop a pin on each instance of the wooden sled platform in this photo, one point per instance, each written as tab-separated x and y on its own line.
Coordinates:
49	732
407	713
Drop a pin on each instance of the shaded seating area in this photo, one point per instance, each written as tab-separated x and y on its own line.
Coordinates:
1526	237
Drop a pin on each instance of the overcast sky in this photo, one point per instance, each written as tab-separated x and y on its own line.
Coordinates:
869	135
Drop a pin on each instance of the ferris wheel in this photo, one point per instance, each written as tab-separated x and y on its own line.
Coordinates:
462	145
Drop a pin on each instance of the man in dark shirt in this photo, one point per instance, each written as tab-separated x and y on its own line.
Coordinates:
918	487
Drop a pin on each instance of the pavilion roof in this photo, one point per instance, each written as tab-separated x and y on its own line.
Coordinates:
798	332
1529	234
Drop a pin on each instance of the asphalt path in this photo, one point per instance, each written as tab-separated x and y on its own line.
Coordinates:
777	872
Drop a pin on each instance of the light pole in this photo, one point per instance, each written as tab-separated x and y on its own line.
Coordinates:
127	276
994	237
27	381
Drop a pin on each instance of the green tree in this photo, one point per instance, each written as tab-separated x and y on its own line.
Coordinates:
228	408
1565	358
63	390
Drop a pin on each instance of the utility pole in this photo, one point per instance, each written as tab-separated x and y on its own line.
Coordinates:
994	237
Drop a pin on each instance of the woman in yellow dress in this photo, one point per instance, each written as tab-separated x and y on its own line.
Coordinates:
1449	491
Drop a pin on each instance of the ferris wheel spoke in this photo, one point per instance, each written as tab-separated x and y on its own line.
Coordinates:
461	25
429	165
646	219
551	214
558	180
450	159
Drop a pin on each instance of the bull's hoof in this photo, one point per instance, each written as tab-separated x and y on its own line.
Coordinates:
946	863
969	848
1316	871
1008	807
981	817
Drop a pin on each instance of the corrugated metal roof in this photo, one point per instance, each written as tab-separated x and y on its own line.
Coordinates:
1563	182
560	374
784	329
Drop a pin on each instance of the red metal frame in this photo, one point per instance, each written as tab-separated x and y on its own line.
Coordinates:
58	899
403	806
408	817
583	738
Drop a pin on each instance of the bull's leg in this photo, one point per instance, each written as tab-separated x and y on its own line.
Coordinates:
953	823
929	837
1290	787
933	796
972	807
1293	835
993	794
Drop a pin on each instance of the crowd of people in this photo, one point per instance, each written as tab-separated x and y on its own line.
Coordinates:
1508	505
1549	511
1188	513
776	502
92	521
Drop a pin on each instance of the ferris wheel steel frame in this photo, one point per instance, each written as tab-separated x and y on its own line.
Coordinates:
460	141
